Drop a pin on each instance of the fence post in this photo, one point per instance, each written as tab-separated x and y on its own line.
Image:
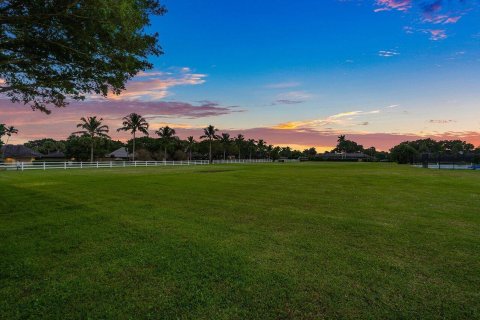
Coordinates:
97	164
22	165
110	164
135	162
65	165
123	163
44	165
81	164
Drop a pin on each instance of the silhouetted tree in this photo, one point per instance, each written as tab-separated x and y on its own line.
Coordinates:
167	135
93	128
209	133
133	123
225	141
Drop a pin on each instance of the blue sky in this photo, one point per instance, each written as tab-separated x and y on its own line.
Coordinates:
359	67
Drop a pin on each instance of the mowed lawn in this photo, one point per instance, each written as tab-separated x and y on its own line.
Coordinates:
262	241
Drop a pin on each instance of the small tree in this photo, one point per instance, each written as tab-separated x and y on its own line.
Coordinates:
209	133
93	128
166	134
133	123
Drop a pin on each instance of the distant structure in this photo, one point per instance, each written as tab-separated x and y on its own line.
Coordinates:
18	153
54	156
344	156
120	154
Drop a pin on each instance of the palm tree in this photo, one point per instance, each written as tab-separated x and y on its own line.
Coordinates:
251	146
239	140
7	131
93	128
210	134
262	147
190	143
166	134
225	141
133	123
269	150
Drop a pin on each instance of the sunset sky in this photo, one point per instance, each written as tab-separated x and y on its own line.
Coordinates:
299	73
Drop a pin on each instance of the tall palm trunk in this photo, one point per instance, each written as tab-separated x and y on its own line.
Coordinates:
91	151
224	154
133	158
165	154
210	153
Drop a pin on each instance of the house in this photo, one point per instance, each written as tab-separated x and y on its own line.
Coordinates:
120	154
344	156
18	153
54	156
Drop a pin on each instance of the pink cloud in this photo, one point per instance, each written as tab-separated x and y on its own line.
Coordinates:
59	124
155	85
387	5
436	34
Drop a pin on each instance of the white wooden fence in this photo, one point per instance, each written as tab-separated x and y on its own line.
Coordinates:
47	165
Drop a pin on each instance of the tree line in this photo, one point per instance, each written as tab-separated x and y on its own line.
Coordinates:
93	142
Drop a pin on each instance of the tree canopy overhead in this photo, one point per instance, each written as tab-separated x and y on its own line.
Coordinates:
52	50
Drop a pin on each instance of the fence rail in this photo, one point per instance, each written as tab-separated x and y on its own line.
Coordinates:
47	165
451	166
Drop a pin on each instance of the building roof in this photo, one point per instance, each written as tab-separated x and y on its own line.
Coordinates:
119	153
333	155
55	154
19	151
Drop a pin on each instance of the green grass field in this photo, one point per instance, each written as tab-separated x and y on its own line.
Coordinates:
265	241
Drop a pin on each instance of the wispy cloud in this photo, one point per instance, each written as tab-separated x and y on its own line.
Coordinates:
388	5
442	121
432	12
343	118
155	85
436	34
292	97
388	53
283	85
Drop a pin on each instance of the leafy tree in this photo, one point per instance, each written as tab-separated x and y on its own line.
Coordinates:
225	141
46	145
372	152
403	153
310	153
261	148
78	147
58	49
93	128
251	145
6	131
167	135
275	153
133	123
286	152
209	133
347	146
